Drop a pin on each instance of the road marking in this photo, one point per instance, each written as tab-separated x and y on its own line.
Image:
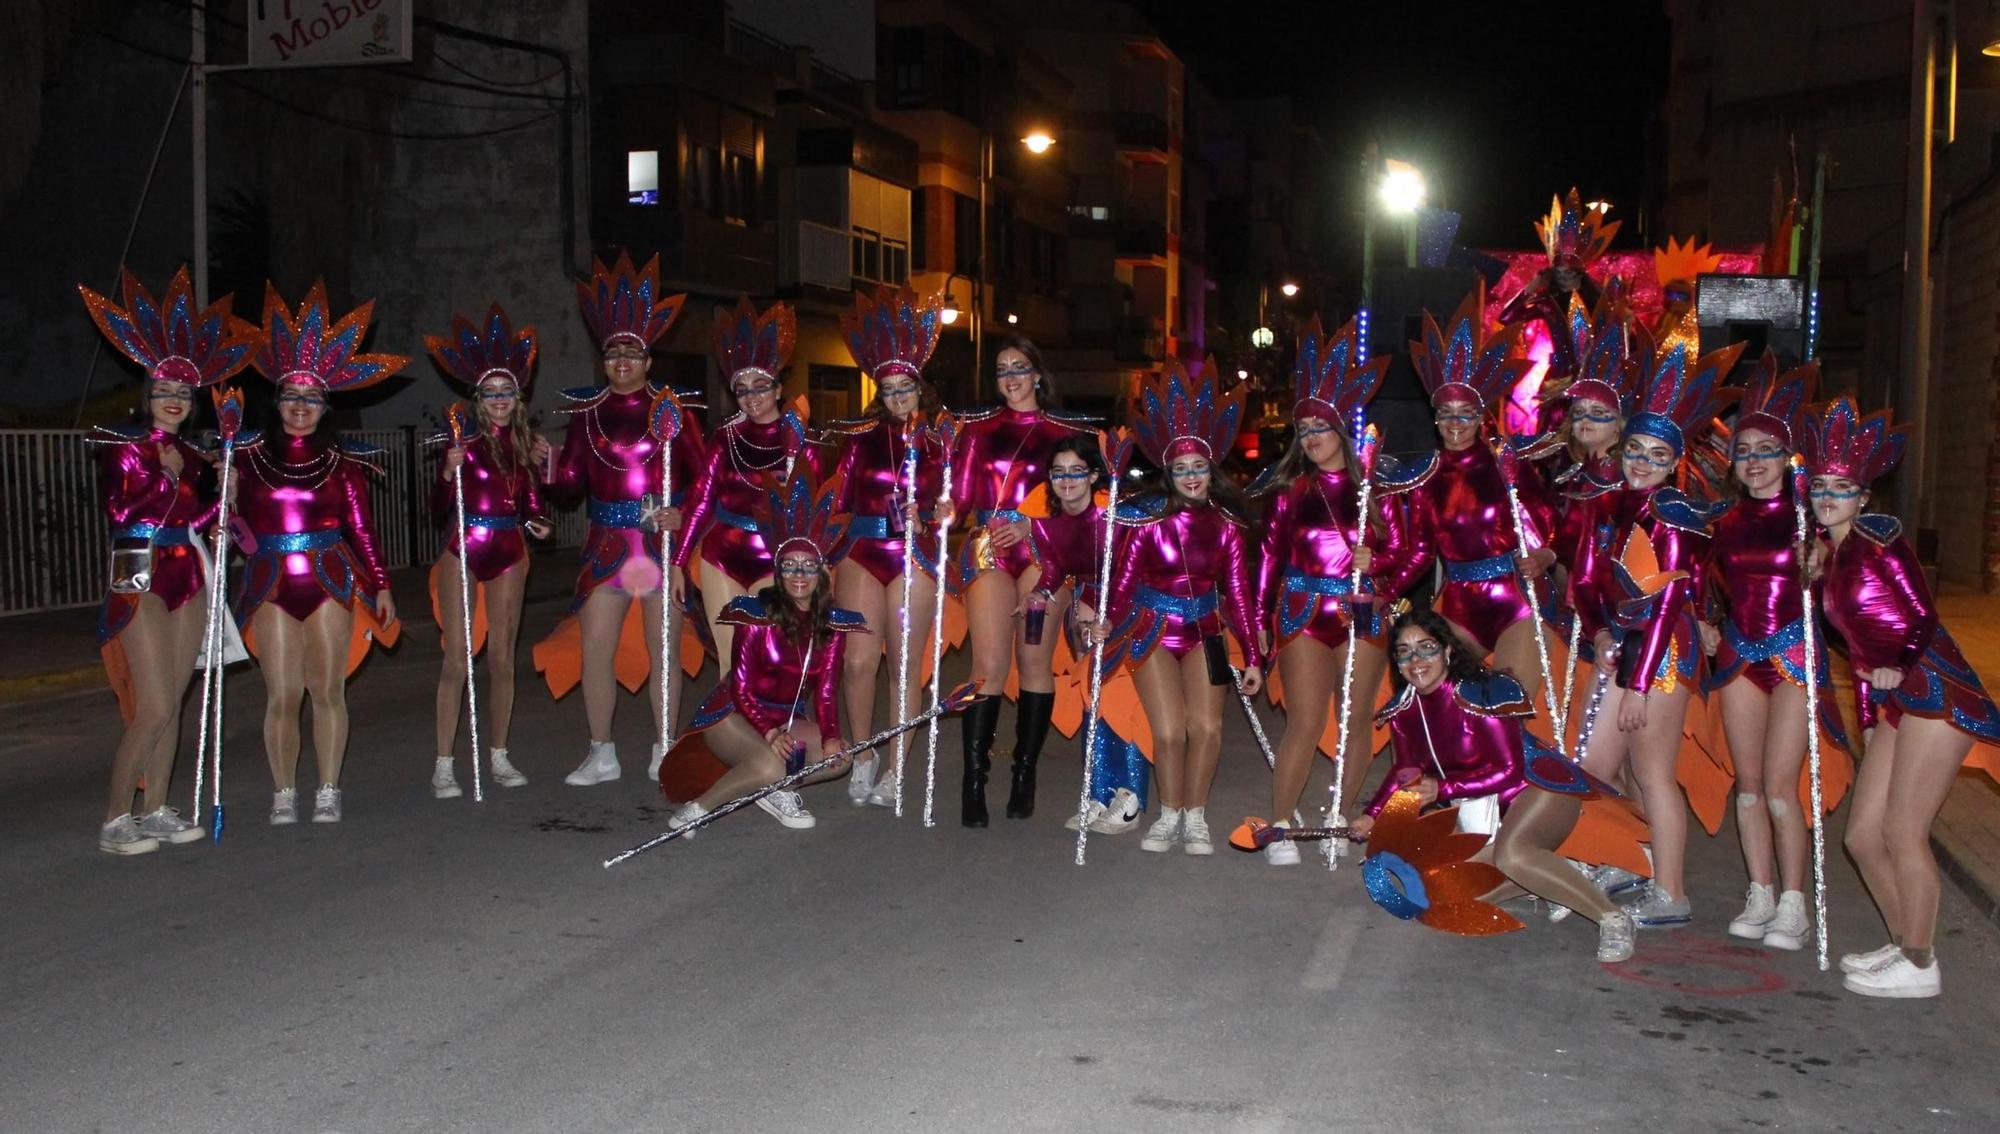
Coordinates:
1329	959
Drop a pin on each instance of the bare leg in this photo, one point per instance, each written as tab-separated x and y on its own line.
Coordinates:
186	627
1746	719
451	634
1312	687
1204	727
751	762
602	620
1928	754
1867	806
1516	653
1037	661
718	590
148	641
281	646
1525	851
328	632
989	608
505	596
1371	665
857	590
1159	682
1784	755
649	615
1656	751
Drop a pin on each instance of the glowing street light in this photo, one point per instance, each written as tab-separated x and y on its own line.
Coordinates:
948	314
1012	318
1289	288
1242	375
1038	142
1402	188
1263	338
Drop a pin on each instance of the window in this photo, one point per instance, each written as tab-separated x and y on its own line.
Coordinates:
919	240
959	79
906	62
895	262
704	196
642	177
965	234
830	391
1042	261
739	188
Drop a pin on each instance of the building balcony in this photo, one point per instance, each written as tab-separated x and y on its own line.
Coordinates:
1141	242
1140	340
1141	134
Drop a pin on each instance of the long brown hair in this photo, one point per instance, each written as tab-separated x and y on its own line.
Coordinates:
1295	464
514	454
1046	396
799	623
927	402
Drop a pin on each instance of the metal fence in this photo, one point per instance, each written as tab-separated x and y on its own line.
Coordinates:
54	543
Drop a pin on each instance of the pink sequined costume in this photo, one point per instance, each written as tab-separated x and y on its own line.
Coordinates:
1574	236
1872	590
501	492
1466	735
1168	573
611	459
177	341
885	466
1000	456
1457	502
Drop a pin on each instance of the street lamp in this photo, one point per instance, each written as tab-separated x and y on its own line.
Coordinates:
1038	142
1263	338
1289	288
1398	187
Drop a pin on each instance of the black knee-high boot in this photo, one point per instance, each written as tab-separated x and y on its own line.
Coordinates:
982	719
1031	729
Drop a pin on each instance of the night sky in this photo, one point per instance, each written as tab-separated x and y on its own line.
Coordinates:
1497	105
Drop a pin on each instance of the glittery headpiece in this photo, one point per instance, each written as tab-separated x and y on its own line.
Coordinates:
746	341
310	349
168	336
1180	414
623	304
1838	441
1679	263
472	353
1464	363
1331	380
1604	349
1772	402
1572	235
1683	394
894	331
795	514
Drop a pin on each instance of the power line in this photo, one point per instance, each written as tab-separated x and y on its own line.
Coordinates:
407	135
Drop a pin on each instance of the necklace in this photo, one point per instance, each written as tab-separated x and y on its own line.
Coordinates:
737	460
320	467
592	430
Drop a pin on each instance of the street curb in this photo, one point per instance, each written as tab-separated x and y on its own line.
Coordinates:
1977	890
35	686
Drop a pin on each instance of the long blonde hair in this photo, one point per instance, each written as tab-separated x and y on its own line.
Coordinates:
515	454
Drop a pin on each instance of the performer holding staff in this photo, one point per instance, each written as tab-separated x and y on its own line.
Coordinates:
1182	573
1755	576
314	588
1646	632
151	625
1306	573
890	466
501	500
1000	456
781	691
611	458
1922	707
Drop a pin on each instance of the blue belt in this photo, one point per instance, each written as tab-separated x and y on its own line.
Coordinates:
298	541
1011	515
1478	570
735	520
614	513
1297	580
492	523
1764	649
871	527
160	537
1187	608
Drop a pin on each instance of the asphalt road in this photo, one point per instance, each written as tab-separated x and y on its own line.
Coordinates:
452	966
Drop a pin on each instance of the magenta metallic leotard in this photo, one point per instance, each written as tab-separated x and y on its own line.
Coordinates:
1659	647
873	472
745	460
306	502
1466	735
499	497
145	502
1174	573
1000	456
1306	572
771	680
611	460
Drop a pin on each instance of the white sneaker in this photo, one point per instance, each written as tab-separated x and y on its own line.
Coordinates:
1657	909
1284	852
861	781
444	781
659	757
600	767
1165	831
787	808
1897	980
689	812
1614	937
166	825
326	804
1759	906
1194	831
121	836
1789	926
1120	815
883	794
1618	882
1092	812
284	807
1871	960
504	773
